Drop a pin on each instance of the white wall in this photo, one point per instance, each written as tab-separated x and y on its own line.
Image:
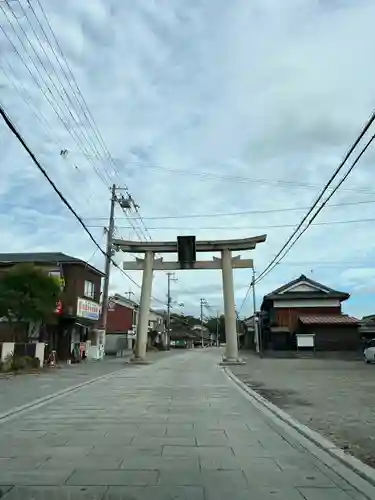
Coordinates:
156	321
7	349
39	352
278	304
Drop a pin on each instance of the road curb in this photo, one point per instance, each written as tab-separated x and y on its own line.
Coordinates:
6	416
359	475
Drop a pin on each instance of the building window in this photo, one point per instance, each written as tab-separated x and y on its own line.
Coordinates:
89	289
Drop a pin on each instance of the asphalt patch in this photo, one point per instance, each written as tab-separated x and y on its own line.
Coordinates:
283	398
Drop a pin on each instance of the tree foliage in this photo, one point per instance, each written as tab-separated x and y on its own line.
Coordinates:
212	326
27	294
182	320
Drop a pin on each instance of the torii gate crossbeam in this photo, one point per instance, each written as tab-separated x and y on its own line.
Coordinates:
226	263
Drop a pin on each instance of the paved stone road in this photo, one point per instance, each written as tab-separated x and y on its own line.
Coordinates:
177	429
334	397
22	389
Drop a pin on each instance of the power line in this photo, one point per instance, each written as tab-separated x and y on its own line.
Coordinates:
132	226
26	97
75	89
95	250
66	98
14	131
236	228
141	221
63	94
82	102
39	85
37	113
342	264
310	222
43	171
326	186
246	212
242	179
291	241
326	264
68	105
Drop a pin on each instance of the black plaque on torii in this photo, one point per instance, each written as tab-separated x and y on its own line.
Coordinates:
187	251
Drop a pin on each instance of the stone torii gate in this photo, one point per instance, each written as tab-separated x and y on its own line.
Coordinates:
186	247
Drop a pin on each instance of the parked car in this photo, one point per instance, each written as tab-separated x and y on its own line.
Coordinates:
369	352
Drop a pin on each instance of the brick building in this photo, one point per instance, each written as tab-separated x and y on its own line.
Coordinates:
122	322
78	311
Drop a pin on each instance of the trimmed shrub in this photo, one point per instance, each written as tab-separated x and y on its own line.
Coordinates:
8	362
35	363
28	361
19	364
14	363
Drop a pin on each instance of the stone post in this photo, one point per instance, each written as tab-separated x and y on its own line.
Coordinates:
231	354
144	308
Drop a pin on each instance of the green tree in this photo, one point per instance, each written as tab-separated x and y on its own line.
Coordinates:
211	324
183	320
27	294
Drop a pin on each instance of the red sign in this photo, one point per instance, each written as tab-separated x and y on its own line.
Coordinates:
58	309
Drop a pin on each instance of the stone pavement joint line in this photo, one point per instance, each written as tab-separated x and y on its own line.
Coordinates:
51	397
177	429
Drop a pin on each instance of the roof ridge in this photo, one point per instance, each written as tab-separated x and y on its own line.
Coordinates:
304	278
44	257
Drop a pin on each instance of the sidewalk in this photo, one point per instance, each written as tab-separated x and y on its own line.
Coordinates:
21	389
177	429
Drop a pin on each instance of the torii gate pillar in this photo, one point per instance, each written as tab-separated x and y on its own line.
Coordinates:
144	307
229	308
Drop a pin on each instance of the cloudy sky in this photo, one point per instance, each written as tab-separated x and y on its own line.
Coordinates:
223	119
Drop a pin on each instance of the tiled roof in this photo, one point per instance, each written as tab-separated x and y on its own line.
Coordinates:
283	291
43	258
326	319
36	257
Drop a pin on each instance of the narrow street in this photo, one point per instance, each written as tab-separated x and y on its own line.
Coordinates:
175	429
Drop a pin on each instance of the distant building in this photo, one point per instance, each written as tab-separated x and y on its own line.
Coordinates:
367	327
156	321
201	331
304	306
122	321
122	324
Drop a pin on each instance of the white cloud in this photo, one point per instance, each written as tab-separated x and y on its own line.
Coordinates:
248	89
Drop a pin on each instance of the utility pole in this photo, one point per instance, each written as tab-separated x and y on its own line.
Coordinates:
129	294
170	277
108	258
237	327
202	304
217	329
255	322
